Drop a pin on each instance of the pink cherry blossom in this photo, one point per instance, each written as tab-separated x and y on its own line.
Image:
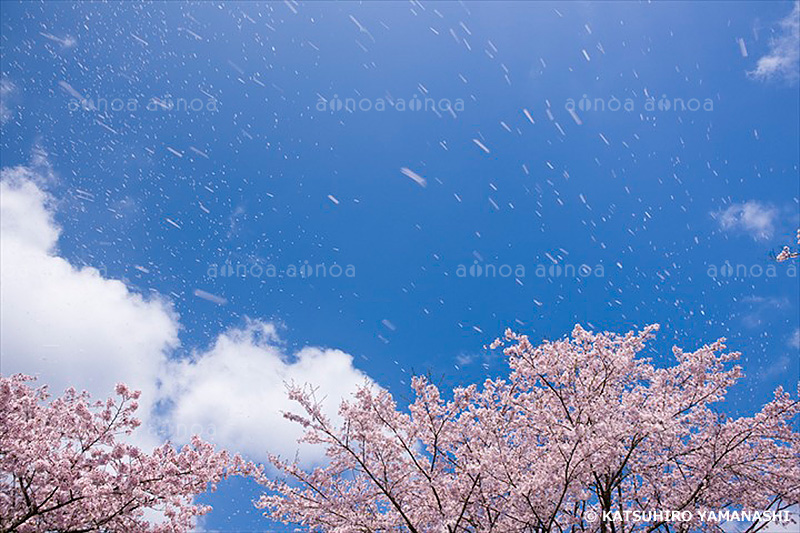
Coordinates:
65	466
787	253
581	426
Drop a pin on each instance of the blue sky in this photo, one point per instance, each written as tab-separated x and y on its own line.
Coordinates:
168	141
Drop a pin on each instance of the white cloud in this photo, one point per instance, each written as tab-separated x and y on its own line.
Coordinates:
751	217
70	326
236	391
794	339
67	325
782	62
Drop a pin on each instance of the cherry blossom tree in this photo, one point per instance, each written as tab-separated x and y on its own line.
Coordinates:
787	253
584	432
65	466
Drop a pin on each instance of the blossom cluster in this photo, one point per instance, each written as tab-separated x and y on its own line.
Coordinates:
581	427
787	253
67	465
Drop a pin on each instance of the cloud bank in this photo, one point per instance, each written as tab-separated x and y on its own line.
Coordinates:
71	326
65	324
236	390
782	62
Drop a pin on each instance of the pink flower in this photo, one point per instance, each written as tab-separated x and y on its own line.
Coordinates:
61	468
582	425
